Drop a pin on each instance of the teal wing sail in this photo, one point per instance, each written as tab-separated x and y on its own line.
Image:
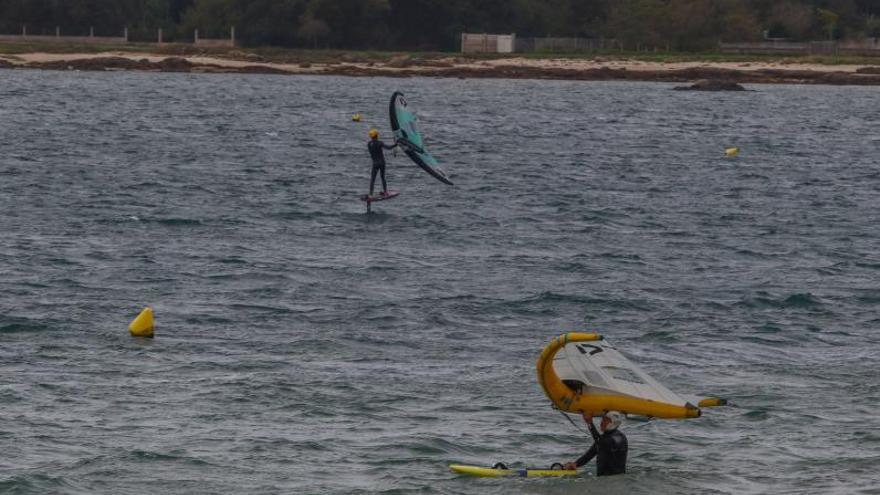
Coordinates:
406	131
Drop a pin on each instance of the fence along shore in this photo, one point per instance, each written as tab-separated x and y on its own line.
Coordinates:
25	37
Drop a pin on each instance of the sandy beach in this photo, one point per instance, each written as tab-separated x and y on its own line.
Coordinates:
598	68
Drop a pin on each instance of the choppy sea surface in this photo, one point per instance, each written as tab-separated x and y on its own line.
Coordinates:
303	346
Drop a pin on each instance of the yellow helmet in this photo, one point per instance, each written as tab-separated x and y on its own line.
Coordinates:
374	133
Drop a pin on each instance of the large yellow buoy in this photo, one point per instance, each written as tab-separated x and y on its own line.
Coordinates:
142	326
731	152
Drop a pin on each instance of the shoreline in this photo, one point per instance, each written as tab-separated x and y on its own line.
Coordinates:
598	68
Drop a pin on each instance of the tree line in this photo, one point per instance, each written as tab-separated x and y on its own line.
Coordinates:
437	24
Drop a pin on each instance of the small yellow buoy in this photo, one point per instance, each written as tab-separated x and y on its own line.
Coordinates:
731	151
142	326
356	117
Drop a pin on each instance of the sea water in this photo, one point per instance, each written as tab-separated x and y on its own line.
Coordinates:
303	346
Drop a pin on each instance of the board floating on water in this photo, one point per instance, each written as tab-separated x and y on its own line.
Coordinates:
379	196
485	472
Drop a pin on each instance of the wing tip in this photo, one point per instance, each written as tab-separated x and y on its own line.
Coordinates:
692	411
712	402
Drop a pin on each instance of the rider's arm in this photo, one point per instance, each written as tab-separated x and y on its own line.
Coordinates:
588	455
593	430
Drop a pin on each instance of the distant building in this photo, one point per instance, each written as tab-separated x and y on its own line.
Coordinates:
487	43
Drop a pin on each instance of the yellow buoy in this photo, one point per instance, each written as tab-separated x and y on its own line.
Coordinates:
731	151
142	326
356	117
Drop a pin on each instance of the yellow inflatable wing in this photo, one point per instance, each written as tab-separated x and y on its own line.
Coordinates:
590	376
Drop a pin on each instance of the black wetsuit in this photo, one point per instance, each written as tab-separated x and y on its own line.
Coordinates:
375	147
609	449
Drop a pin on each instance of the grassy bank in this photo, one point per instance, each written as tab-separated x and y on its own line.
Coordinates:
291	55
711	57
258	54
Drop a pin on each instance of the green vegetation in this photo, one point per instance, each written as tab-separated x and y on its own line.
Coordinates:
282	55
435	25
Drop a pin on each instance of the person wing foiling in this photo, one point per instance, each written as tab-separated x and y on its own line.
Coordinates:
376	147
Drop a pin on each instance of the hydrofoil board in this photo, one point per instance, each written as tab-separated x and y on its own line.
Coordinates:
379	196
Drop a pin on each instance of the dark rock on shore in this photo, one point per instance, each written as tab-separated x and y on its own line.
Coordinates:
260	69
175	64
102	63
171	64
712	85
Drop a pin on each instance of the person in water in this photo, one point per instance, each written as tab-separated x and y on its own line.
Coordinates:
375	148
609	448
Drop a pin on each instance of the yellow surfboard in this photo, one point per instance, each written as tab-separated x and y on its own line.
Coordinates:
485	472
